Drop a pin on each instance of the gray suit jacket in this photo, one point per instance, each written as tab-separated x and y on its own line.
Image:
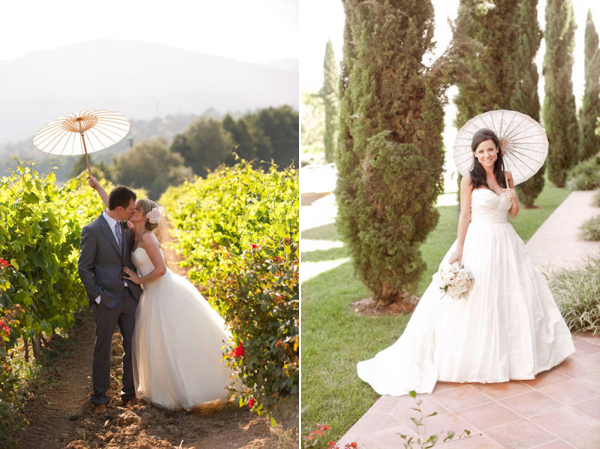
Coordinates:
101	263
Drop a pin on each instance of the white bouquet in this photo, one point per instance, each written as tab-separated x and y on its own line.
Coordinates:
454	280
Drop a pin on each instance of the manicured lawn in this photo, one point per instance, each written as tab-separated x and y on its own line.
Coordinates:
334	339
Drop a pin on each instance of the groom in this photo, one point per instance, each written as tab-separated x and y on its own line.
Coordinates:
105	250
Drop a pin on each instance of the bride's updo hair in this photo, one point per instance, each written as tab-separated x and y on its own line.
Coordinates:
146	206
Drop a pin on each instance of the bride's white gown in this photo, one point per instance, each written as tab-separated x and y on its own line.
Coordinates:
509	327
177	342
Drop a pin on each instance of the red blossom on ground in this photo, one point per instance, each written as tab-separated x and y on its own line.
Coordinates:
251	403
332	444
239	351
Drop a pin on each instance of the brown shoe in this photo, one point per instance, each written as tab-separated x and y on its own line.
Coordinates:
132	401
100	408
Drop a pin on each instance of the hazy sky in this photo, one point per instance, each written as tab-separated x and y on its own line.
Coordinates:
253	31
324	19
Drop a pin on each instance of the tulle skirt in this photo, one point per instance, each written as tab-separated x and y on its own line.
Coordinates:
178	340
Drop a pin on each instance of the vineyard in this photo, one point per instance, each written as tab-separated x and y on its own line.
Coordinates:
237	231
40	225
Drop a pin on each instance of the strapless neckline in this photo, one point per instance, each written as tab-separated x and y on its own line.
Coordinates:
489	190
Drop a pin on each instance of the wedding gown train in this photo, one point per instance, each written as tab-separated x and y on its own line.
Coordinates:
177	343
508	327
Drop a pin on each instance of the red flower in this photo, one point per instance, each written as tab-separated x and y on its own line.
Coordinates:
332	444
254	246
4	263
326	427
239	351
352	445
251	403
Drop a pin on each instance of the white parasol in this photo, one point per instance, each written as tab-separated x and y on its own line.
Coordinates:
82	132
523	143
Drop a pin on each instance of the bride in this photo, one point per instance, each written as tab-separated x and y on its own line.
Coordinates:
508	327
178	337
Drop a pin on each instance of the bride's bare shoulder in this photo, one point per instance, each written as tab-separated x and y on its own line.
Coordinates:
149	240
465	182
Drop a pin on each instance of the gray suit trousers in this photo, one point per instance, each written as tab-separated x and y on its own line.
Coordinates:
106	320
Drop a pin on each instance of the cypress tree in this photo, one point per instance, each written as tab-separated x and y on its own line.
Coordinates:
490	71
390	149
590	142
502	73
329	93
560	119
525	97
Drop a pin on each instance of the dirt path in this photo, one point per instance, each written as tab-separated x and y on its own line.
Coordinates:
61	415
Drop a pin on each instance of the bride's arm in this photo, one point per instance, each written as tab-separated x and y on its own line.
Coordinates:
512	196
464	219
93	182
151	246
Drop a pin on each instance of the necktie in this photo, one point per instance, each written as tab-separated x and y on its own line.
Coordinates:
118	232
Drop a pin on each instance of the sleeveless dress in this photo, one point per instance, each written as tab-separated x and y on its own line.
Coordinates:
508	327
177	343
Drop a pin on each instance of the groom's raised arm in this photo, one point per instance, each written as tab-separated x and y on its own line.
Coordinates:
85	265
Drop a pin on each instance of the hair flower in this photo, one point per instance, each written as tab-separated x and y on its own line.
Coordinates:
154	216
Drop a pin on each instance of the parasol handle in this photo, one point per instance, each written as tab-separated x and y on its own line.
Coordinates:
87	159
507	184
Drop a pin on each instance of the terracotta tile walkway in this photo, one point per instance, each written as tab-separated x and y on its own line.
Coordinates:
559	409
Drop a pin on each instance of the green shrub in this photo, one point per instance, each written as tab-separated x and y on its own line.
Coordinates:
12	417
597	198
585	175
233	207
590	229
576	293
40	226
259	298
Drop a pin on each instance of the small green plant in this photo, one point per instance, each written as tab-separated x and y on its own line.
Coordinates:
590	229
423	441
597	198
576	293
585	175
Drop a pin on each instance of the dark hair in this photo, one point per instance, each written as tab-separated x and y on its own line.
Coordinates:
120	196
478	175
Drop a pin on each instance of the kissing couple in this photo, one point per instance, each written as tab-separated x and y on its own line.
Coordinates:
172	338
